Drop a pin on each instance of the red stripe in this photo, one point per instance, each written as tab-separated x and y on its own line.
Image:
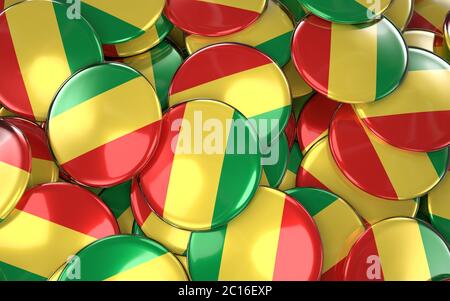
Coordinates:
14	148
70	206
2	4
356	156
227	59
110	51
438	41
116	161
299	253
139	206
13	94
311	48
154	179
291	131
419	22
336	273
306	179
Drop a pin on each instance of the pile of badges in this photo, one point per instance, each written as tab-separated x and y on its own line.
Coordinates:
224	140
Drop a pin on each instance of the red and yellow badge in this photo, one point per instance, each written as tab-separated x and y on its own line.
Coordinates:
400	12
429	14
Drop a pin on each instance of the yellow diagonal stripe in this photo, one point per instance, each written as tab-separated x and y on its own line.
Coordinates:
8	3
400	12
125	221
42	75
252	92
253	5
43	171
37	245
438	203
434	11
13	183
257	236
405	261
289	181
202	169
141	42
320	137
162	268
143	63
264	180
109	124
297	84
353	63
375	6
414	95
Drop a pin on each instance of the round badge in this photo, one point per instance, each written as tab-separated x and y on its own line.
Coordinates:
274	162
213	17
427	40
314	121
158	66
379	168
117	199
50	223
295	9
400	12
150	225
242	77
339	227
271	34
15	166
206	168
438	201
398	249
43	169
415	117
291	131
141	44
91	126
290	177
40	49
319	170
347	11
273	239
429	14
124	258
358	63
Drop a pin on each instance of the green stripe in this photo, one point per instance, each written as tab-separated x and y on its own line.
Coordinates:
137	230
111	75
110	256
117	198
239	166
279	48
392	58
423	60
205	254
12	273
280	115
423	213
163	27
275	173
442	225
295	8
351	11
81	45
440	161
295	158
314	200
437	252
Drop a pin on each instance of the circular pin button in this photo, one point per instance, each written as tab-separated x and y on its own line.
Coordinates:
400	12
338	224
354	68
90	125
429	15
438	201
347	11
427	40
274	161
43	169
314	121
15	166
379	168
141	44
414	117
150	225
227	72
213	18
206	168
117	199
295	9
40	49
270	34
319	170
158	66
398	249
290	177
273	239
124	258
50	223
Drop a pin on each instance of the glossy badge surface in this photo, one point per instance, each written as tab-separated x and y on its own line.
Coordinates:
118	200
290	177
273	239
429	14
98	134
427	40
400	12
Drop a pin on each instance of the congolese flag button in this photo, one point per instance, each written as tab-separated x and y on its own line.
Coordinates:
15	166
347	11
51	223
290	177
400	12
274	162
319	170
40	49
415	117
429	14
124	258
339	227
90	125
242	77
43	168
398	249
427	40
379	168
216	148
118	200
358	63
213	17
153	227
273	239
144	42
